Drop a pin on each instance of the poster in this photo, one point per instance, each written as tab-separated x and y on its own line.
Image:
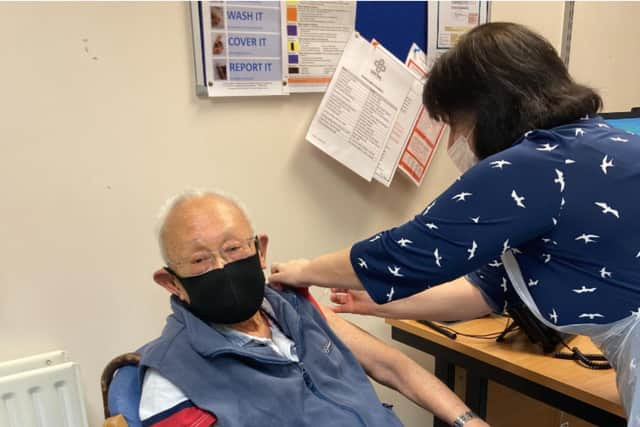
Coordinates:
417	60
360	106
400	132
423	141
401	128
317	32
425	133
448	21
244	45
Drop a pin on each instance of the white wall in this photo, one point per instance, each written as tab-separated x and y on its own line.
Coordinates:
605	51
93	142
544	17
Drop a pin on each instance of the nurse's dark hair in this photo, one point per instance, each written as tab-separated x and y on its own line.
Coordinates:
510	80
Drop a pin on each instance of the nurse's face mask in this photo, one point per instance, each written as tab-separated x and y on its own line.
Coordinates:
230	294
461	153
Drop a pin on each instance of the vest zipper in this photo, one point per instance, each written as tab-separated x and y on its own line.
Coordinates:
305	374
311	385
307	377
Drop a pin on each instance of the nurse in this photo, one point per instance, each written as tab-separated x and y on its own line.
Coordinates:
545	212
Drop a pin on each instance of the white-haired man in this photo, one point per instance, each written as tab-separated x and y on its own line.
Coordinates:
237	353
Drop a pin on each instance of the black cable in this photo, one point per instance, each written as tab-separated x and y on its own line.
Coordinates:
510	327
590	361
489	336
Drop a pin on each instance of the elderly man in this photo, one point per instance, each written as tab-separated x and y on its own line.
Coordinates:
238	353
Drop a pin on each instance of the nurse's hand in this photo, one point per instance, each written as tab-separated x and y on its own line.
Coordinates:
352	301
289	273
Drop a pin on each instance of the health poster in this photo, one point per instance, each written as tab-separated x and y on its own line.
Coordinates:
423	141
360	106
245	50
317	32
448	21
425	135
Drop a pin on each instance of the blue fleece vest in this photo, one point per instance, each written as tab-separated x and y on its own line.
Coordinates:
251	387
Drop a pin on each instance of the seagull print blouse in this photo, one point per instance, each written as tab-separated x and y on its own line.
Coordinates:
565	201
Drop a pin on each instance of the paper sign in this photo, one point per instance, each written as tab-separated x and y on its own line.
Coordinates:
244	46
425	133
448	21
317	32
361	104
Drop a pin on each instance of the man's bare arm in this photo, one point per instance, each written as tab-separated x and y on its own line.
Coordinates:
392	368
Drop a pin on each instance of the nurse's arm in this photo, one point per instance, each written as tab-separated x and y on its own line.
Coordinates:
392	368
332	270
455	300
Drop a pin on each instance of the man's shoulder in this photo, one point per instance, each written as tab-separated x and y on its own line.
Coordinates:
158	347
300	299
276	297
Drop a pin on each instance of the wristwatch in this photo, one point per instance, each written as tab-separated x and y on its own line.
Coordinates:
462	419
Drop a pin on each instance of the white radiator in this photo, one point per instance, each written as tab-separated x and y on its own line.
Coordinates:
43	397
32	362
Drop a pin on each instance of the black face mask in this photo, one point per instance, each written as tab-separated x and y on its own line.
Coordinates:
231	294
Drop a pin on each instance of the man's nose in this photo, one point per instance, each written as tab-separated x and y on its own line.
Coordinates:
218	262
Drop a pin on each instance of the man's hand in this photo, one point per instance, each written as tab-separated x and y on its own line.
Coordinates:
289	273
352	301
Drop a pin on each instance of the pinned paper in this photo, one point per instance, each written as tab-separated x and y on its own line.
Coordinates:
360	107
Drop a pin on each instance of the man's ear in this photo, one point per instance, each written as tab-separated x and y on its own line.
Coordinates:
263	243
168	281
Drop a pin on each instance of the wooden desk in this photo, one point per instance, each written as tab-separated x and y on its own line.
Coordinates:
519	365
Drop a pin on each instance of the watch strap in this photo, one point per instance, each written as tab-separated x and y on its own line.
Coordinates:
462	419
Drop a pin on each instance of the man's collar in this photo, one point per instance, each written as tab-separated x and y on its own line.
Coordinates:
241	339
207	340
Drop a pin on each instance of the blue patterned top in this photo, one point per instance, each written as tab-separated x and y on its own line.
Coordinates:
565	201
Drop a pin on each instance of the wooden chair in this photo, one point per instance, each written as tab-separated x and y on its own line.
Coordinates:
120	391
